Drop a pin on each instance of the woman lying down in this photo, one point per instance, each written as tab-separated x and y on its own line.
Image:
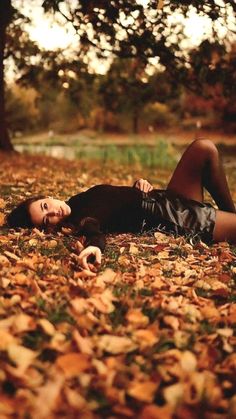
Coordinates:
177	210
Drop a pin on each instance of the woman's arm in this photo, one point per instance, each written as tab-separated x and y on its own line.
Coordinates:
143	185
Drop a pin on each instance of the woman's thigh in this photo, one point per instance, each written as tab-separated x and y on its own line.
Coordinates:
225	227
187	177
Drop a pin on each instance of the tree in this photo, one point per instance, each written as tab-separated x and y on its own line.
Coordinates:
123	28
126	90
6	14
15	44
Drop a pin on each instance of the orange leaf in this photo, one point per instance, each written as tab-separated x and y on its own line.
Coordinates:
73	364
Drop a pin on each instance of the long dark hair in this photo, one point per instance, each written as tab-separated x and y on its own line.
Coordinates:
20	215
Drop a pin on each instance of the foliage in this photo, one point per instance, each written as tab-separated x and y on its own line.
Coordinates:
152	334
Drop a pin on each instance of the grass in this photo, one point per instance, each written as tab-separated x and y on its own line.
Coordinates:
158	154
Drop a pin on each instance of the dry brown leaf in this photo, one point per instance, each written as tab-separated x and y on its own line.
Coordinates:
72	364
84	344
85	273
4	261
172	321
2	203
108	276
6	339
75	400
23	323
4	282
188	361
2	218
143	391
153	411
48	397
103	302
21	356
137	318
174	394
47	327
11	255
7	406
115	344
145	337
133	249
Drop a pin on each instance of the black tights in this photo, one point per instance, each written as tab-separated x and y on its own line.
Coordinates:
200	167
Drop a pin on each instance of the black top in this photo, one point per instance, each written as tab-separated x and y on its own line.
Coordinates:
122	209
106	209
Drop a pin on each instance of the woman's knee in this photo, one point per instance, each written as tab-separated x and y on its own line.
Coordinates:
205	147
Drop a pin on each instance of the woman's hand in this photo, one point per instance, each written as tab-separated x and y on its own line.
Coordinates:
143	185
88	252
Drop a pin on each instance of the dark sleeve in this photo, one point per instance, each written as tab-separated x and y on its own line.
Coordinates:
90	228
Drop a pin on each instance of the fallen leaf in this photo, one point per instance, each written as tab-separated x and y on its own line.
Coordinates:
72	364
115	344
143	391
21	356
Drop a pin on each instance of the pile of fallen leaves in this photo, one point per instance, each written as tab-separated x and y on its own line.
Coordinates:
152	335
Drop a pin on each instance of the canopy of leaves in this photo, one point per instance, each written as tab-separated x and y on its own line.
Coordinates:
135	28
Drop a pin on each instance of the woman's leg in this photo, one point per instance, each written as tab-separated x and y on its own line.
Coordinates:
225	227
200	167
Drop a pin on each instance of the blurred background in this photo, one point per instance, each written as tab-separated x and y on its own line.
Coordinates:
80	75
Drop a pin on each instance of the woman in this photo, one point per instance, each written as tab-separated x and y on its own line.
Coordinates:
178	210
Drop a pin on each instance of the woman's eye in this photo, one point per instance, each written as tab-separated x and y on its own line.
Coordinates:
45	206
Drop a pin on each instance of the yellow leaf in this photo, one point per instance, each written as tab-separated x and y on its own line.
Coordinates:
33	242
133	249
51	244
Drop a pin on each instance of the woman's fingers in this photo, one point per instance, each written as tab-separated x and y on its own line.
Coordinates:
144	185
98	257
86	253
78	247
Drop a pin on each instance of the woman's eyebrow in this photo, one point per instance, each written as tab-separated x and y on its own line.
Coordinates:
41	205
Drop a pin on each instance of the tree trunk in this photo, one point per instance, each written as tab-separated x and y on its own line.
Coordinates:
5	17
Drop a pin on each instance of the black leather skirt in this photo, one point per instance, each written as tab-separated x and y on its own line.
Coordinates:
165	211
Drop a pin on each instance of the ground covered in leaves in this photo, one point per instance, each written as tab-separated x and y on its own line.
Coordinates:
151	336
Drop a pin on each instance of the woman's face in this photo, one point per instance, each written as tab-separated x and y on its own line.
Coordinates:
48	211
